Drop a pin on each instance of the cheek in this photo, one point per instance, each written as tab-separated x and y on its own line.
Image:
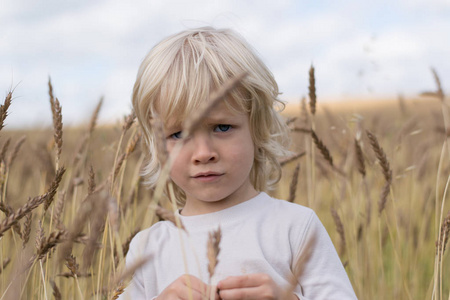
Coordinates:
244	155
178	165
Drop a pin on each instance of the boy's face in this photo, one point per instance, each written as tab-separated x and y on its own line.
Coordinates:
213	166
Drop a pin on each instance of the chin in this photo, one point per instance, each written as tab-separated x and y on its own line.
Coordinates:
213	198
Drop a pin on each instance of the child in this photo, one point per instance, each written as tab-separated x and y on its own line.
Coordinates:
269	248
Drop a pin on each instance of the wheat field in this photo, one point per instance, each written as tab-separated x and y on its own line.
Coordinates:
376	174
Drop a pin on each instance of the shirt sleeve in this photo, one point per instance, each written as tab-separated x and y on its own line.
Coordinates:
135	289
317	266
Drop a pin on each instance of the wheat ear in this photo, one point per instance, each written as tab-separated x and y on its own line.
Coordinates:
213	250
386	169
360	159
4	264
312	90
56	292
94	116
31	204
4	109
57	125
53	187
27	229
72	265
340	229
322	148
441	243
52	240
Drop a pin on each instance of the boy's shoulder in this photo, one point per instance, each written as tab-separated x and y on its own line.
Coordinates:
284	206
157	232
286	214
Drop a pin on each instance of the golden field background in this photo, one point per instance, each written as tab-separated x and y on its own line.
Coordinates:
75	248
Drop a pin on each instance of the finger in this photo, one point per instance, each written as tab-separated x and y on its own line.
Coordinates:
195	283
213	291
243	293
244	281
188	294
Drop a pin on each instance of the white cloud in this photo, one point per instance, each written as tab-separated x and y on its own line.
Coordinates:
94	48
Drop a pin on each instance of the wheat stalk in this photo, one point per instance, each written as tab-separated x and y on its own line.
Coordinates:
15	151
440	92
304	115
90	204
97	214
299	266
294	183
168	215
160	140
4	149
117	167
137	264
125	246
193	122
289	159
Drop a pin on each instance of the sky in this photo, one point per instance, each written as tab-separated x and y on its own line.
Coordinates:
93	49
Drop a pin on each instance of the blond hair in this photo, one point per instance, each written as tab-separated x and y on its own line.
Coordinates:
180	72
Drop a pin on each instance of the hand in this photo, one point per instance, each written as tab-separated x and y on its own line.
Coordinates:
182	286
252	286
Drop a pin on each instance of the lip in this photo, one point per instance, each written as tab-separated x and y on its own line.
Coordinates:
207	176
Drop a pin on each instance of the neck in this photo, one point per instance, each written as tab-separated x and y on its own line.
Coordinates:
195	207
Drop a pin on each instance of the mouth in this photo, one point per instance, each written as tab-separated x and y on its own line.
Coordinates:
207	176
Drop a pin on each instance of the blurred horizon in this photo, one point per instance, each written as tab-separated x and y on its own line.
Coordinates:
93	49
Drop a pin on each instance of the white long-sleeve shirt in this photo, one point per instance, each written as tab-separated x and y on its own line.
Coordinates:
261	235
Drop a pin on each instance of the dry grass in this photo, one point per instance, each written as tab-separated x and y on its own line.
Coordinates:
81	202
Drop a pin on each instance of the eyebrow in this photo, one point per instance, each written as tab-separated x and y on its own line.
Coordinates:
217	118
223	115
220	119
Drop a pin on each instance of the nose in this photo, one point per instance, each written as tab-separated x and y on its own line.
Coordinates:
203	149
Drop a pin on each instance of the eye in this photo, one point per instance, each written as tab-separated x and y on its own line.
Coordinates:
222	128
176	135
